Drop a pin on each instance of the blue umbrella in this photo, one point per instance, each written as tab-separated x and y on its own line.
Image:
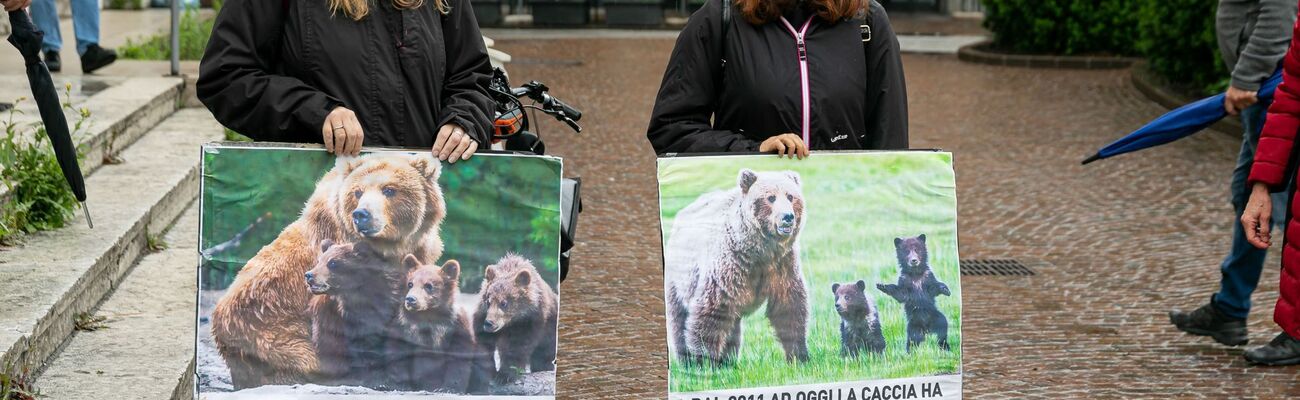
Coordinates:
1179	123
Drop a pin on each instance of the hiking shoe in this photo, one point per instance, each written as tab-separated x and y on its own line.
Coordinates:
52	61
1209	321
1283	350
96	57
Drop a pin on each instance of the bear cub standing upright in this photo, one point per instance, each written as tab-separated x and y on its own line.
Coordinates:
357	285
516	318
432	346
917	289
859	320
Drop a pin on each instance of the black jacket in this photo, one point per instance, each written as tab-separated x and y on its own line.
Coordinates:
858	97
274	68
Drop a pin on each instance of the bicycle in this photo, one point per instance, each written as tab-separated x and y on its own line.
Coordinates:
512	133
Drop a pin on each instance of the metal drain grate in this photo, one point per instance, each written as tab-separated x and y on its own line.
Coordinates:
994	267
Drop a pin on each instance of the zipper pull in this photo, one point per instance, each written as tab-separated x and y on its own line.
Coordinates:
803	49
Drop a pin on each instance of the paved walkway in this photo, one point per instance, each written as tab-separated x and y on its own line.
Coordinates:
1122	241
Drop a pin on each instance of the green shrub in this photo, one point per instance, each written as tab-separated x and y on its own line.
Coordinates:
39	198
123	5
1064	26
194	33
1178	40
15	387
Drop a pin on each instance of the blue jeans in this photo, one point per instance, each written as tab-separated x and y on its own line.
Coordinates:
85	23
1242	266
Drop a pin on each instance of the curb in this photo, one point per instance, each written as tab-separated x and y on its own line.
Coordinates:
1150	85
977	53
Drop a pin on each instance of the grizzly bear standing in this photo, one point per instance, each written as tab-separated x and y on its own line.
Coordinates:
917	289
364	290
432	346
262	325
730	252
859	320
517	318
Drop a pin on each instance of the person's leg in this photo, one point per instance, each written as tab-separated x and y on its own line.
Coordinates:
85	18
1224	318
1241	268
46	18
85	23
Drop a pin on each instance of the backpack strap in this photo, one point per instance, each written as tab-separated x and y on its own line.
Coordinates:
864	16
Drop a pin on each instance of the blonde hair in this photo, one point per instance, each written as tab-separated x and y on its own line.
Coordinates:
358	9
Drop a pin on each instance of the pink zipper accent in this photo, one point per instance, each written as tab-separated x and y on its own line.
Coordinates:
802	48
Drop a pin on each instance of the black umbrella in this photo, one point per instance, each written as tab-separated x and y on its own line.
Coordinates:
28	41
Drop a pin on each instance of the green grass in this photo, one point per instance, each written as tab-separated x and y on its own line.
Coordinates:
195	30
16	387
856	206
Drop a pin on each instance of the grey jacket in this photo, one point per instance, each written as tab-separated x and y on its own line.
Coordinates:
1253	37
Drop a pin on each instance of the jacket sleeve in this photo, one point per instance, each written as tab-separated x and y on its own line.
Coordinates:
465	99
886	86
238	82
1273	155
1266	45
688	96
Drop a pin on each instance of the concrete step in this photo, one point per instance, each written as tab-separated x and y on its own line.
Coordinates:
128	110
50	278
147	340
122	110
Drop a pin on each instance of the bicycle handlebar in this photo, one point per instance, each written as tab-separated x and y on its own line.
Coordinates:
550	105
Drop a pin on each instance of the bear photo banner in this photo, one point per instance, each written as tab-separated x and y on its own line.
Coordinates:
835	277
391	274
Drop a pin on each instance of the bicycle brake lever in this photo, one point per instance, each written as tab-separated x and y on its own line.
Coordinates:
572	124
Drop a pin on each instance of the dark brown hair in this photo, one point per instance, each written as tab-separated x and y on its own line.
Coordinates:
760	12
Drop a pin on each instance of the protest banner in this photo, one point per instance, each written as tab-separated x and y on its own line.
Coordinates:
830	278
384	275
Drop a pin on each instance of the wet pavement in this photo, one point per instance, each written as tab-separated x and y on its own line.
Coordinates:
1115	244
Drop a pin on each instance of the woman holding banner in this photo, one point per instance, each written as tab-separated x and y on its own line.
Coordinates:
406	73
785	77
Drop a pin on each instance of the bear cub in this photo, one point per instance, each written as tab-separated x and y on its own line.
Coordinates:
917	289
361	287
859	320
432	347
516	318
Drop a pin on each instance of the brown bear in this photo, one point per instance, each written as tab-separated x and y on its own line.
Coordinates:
262	325
730	252
364	290
517	317
432	347
859	320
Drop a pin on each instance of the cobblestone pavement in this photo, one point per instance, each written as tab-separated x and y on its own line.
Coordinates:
1116	244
